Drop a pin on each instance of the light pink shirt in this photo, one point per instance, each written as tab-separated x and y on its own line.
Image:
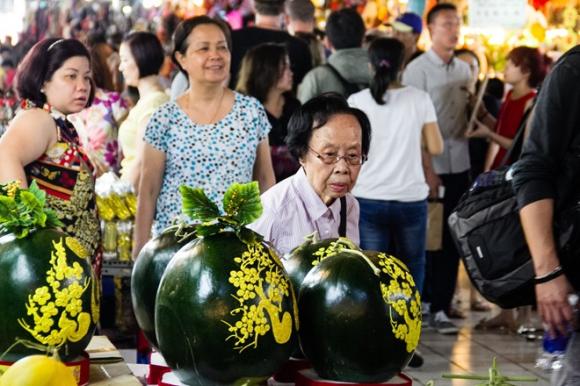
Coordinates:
293	210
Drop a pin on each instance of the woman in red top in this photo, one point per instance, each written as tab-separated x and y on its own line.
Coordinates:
525	69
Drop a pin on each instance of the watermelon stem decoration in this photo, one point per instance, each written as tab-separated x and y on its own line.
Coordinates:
22	210
373	267
242	206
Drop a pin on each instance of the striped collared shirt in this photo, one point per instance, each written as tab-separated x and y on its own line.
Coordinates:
293	210
446	84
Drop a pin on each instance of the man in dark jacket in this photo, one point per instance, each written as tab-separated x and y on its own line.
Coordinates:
268	29
546	179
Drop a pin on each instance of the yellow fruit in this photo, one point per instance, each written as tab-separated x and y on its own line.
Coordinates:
38	370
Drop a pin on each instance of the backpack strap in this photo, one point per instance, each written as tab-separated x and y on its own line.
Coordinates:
342	225
349	87
513	153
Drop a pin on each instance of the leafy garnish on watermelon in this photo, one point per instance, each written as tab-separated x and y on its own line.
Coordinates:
23	210
241	203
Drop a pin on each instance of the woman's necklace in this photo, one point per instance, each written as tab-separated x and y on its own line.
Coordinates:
212	121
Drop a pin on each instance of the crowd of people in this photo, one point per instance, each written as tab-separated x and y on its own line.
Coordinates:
349	135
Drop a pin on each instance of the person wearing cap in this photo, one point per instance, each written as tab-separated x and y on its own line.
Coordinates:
407	28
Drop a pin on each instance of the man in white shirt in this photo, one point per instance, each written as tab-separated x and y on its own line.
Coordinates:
445	79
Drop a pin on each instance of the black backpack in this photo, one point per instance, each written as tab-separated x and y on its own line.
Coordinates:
349	87
486	228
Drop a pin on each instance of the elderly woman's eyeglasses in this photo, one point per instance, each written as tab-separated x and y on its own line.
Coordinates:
333	158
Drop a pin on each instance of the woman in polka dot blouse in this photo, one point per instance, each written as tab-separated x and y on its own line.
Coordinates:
209	137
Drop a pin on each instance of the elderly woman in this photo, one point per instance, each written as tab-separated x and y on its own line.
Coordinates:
331	141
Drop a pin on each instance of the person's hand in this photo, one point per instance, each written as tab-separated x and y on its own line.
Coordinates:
553	306
99	166
434	182
481	131
472	101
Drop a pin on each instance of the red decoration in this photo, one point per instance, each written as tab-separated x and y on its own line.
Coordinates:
539	4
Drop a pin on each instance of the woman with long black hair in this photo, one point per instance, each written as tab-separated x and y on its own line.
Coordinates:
391	188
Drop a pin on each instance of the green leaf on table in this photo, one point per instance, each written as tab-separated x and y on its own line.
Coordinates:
242	202
196	205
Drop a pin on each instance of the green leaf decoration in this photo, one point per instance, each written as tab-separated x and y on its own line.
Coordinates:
22	210
37	192
197	206
242	202
52	220
242	206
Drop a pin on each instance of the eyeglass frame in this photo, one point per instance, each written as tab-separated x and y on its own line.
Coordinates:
337	158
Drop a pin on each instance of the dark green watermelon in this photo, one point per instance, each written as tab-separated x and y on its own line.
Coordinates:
225	312
146	275
307	255
360	317
48	294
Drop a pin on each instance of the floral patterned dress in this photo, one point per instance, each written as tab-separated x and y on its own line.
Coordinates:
98	127
65	173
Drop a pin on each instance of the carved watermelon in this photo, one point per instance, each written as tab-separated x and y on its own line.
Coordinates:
48	294
225	310
360	317
146	275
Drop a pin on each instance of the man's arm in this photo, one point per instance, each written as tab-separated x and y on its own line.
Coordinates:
551	296
537	181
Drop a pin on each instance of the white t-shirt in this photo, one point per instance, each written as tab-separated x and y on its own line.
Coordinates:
394	170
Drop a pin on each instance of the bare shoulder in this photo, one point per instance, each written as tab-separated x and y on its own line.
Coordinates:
35	122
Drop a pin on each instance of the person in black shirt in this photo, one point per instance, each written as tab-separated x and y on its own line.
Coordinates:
265	74
546	180
267	29
300	22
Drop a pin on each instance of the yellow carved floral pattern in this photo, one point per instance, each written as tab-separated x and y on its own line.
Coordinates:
397	293
260	278
75	246
95	301
332	249
61	296
12	188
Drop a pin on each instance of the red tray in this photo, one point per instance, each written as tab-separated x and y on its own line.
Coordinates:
288	371
309	378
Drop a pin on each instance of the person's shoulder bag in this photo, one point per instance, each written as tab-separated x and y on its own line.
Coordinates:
486	228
